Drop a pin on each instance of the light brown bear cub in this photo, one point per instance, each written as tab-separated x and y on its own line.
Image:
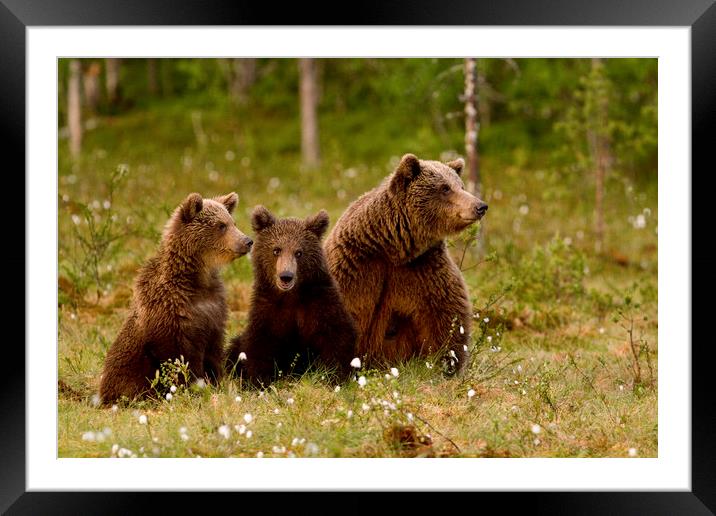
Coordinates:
388	255
179	305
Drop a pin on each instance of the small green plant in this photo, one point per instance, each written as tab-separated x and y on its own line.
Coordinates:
639	350
95	235
486	358
171	378
553	272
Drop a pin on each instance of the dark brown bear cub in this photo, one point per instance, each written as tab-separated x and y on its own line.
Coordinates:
179	305
297	313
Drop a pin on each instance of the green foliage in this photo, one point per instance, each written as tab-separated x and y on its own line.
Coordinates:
628	88
172	377
553	272
97	234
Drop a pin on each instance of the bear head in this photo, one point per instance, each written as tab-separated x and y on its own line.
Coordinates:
434	197
204	229
288	251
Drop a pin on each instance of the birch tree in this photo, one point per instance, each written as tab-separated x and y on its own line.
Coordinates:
74	108
309	113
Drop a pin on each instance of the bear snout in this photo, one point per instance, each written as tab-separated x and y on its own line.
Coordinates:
286	280
244	245
480	209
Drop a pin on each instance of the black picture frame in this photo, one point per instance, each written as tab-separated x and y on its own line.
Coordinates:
17	15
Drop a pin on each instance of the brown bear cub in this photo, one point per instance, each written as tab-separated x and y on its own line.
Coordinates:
179	305
297	313
388	255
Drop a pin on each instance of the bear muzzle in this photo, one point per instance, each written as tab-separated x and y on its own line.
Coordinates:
243	246
286	280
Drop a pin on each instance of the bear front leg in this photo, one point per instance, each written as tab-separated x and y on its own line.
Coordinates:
256	365
214	358
334	335
364	300
436	297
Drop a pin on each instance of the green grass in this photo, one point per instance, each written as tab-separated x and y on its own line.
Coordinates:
554	351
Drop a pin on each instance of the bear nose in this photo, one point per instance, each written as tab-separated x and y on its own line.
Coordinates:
481	209
286	276
248	242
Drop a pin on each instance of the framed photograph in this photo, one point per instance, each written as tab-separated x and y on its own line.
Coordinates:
522	348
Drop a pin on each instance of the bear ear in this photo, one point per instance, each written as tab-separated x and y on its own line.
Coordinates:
457	165
191	206
229	200
408	169
318	223
261	218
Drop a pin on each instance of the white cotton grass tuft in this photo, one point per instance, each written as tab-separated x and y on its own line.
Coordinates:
143	419
242	356
169	396
173	389
337	388
237	399
225	431
394	371
355	363
471	393
312	449
362	381
248	418
536	429
632	452
290	401
462	330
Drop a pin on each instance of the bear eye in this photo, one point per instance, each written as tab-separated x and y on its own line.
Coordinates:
445	189
276	251
222	227
298	254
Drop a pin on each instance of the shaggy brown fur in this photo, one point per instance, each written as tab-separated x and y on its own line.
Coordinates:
297	313
387	252
179	306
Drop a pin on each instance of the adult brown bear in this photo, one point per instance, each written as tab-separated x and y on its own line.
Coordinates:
388	254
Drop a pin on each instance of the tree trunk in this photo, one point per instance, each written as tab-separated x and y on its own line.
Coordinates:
74	109
152	86
166	67
242	75
472	127
112	80
599	148
90	81
309	116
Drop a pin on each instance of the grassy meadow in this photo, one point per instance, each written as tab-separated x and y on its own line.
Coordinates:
564	345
